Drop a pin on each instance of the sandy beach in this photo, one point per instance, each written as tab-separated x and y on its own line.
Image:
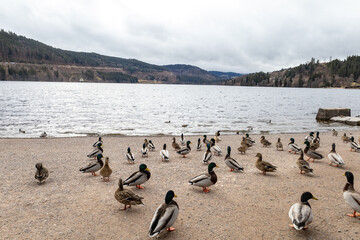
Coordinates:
241	205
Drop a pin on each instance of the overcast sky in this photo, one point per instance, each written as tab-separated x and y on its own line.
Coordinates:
238	36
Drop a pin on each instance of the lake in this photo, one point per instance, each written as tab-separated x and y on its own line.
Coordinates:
87	109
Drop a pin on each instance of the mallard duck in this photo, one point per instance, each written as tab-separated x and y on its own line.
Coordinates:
303	165
300	213
264	166
217	136
249	140
130	156
164	154
198	145
232	163
293	147
279	145
311	153
315	143
353	145
93	167
43	135
126	196
205	140
21	131
165	215
309	137
151	146
335	157
243	147
206	179
264	142
97	142
146	142
182	140
352	197
41	173
144	151
215	148
175	145
96	151
138	177
207	155
106	171
334	133
186	150
345	138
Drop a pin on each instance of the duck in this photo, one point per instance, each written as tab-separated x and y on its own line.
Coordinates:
130	156
215	148
126	196
175	145
165	216
335	157
164	154
309	137
352	197
334	133
345	138
303	165
312	154
279	145
243	146
43	135
182	140
138	177
205	140
146	142
264	166
186	150
41	173
198	145
264	142
293	147
232	163
315	143
207	155
93	167
97	151
151	146
97	142
301	213
106	171
144	151
353	145
249	140
21	131
206	179
217	136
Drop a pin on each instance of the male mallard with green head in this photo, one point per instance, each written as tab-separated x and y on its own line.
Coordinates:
206	179
301	213
138	177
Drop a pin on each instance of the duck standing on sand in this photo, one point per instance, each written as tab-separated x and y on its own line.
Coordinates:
264	142
335	157
232	163
186	150
315	143
175	145
353	145
334	133
303	165
301	213
164	154
249	140
165	216
264	166
138	177
309	137
243	146
43	135
217	136
279	145
206	179
207	155
352	197
126	196
130	156
182	140
215	148
293	147
96	151
151	146
345	138
106	171
198	145
144	151
93	167
41	173
312	154
205	140
97	142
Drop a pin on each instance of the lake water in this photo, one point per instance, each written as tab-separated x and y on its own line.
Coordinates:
83	109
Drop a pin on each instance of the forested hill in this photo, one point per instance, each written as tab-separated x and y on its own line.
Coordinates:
26	59
336	73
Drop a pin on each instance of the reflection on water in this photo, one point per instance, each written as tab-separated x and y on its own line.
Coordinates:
80	109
